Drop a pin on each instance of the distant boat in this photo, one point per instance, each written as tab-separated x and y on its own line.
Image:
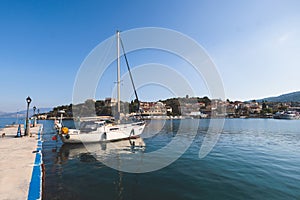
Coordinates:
286	115
105	130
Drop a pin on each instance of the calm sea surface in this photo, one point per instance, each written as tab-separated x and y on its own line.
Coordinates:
253	159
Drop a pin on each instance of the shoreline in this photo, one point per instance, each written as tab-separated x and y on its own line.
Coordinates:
182	117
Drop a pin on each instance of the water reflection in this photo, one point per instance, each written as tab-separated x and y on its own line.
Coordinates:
100	151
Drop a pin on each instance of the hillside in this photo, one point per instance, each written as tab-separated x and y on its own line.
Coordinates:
22	113
289	97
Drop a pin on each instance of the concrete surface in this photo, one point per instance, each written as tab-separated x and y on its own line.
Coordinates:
16	162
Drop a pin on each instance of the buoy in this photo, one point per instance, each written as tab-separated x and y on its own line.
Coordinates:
54	137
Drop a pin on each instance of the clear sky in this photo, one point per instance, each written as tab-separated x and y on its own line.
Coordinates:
254	44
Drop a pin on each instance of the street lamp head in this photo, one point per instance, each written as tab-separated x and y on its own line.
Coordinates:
34	108
28	99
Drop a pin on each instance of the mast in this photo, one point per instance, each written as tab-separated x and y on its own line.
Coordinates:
118	77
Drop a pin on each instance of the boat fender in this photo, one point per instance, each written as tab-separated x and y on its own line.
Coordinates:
64	130
104	136
132	132
67	136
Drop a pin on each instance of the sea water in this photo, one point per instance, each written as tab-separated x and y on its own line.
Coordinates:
10	121
253	159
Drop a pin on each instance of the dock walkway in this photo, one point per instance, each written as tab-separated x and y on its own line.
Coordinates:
17	160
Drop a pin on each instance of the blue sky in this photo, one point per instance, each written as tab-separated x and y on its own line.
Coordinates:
254	44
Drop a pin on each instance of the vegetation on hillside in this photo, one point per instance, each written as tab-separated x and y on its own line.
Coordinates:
176	107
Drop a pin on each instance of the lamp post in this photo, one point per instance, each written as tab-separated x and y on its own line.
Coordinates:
38	111
27	130
34	117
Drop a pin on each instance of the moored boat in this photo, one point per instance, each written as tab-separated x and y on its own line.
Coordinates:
101	131
106	130
286	115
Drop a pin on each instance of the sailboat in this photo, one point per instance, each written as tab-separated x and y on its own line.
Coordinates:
106	130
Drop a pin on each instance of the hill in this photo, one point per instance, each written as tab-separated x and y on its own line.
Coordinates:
289	97
22	113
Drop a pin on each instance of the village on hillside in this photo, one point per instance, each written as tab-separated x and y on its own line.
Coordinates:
186	107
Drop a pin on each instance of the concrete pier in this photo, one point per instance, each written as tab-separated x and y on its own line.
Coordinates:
17	161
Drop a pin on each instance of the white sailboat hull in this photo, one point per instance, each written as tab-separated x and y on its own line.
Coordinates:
104	133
